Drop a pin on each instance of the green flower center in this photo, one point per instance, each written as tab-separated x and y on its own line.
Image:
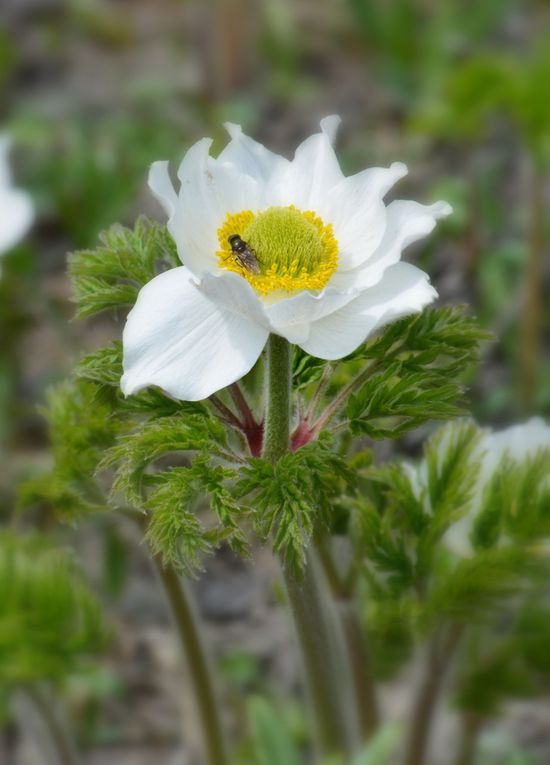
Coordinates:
283	236
293	249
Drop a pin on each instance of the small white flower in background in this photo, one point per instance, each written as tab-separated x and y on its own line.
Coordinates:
271	246
517	443
16	208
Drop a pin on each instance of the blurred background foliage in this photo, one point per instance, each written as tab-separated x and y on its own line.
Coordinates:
94	90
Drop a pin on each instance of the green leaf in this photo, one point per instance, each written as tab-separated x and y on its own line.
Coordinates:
81	429
271	740
395	400
417	365
306	369
473	587
400	530
452	468
381	747
293	495
49	619
436	337
491	672
175	531
516	502
104	368
111	276
158	438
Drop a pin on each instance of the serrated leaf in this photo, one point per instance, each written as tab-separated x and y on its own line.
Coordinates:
417	365
175	531
291	497
111	276
158	438
49	619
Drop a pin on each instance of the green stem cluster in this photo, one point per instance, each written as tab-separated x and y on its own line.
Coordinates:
198	663
440	653
61	741
326	665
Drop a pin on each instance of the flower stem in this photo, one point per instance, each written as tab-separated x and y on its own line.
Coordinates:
339	400
228	416
57	730
277	426
325	662
471	725
532	309
343	590
199	666
242	405
365	690
253	430
439	655
327	670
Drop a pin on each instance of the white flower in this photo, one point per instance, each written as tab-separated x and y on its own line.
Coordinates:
16	209
320	264
517	443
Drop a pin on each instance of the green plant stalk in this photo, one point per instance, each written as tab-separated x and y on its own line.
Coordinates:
440	652
56	728
198	663
277	423
363	683
471	725
8	742
356	642
532	309
325	662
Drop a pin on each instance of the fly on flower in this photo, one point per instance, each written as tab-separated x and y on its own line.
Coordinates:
317	260
244	255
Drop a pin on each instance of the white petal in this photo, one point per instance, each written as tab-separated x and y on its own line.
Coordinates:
209	190
404	289
519	442
407	222
291	318
161	186
329	126
235	294
358	214
179	340
16	215
313	172
249	156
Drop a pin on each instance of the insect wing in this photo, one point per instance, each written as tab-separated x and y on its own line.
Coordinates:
249	261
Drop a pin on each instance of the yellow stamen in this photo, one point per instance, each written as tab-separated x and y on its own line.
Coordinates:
295	250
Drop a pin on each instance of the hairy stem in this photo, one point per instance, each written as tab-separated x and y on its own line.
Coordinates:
253	430
242	405
356	641
325	663
56	728
532	308
365	690
227	415
440	652
321	386
8	742
339	400
277	425
471	726
187	626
